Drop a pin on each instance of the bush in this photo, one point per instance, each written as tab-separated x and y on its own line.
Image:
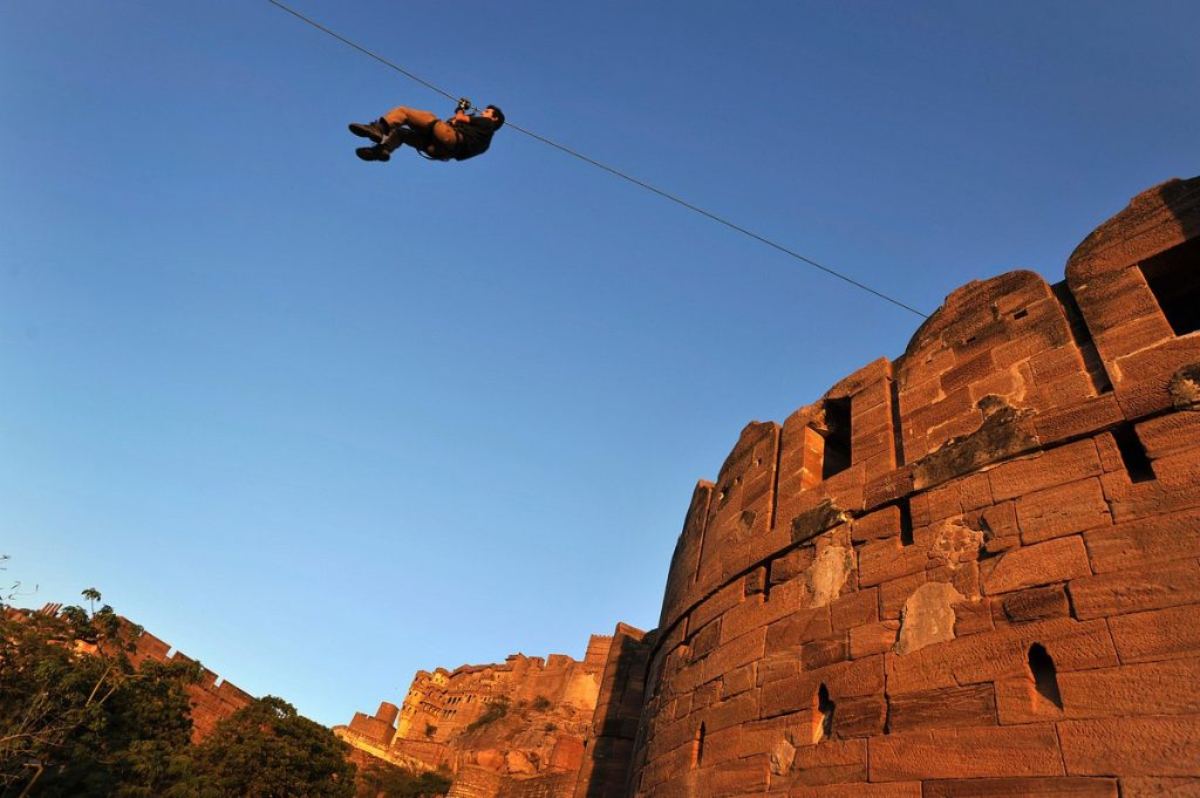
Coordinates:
494	712
541	703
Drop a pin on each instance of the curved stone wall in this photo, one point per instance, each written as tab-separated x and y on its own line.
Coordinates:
973	570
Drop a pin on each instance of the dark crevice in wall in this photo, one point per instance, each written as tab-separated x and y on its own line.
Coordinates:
703	535
897	430
1083	339
906	523
1133	454
775	481
698	749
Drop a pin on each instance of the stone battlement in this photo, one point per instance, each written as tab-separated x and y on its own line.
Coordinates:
961	564
212	698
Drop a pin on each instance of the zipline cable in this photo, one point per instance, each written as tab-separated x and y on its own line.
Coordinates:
611	170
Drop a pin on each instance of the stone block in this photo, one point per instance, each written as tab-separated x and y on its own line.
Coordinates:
862	716
884	560
745	649
1156	635
791	565
1078	418
741	709
908	789
1053	787
1132	746
716	605
739	680
1041	564
972	617
1068	463
1151	688
820	653
1159	787
798	628
893	594
874	638
830	762
1062	510
966	753
1145	541
740	777
1036	604
1117	593
973	705
855	609
1171	434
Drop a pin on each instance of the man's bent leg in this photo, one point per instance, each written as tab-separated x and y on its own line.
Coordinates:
413	117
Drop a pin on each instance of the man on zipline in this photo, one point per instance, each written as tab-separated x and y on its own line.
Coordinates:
461	137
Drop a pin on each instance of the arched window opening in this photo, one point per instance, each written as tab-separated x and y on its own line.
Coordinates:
1045	676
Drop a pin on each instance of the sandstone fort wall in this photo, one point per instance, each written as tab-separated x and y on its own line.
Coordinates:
973	570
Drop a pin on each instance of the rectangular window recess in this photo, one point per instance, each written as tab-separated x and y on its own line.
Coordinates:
1174	278
837	439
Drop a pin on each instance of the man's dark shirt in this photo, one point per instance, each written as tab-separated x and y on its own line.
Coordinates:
474	137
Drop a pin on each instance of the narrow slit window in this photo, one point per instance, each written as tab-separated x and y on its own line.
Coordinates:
823	709
1133	454
698	748
1045	675
906	526
1174	278
837	439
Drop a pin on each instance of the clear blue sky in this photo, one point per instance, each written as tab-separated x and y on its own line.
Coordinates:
321	423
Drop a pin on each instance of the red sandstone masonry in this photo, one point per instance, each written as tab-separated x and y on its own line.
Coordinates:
1007	522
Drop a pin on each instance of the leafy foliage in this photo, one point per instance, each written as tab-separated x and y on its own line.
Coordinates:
73	703
267	750
71	699
381	780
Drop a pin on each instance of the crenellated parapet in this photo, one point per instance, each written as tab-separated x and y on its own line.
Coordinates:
978	561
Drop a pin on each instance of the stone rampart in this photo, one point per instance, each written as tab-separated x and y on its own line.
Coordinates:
212	698
971	570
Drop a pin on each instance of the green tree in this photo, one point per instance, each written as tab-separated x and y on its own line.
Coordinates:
384	780
267	750
71	699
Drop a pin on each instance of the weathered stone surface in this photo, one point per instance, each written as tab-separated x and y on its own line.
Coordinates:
1139	746
928	617
1064	787
966	753
974	705
1041	564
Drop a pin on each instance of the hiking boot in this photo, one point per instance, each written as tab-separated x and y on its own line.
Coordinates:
376	153
376	131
